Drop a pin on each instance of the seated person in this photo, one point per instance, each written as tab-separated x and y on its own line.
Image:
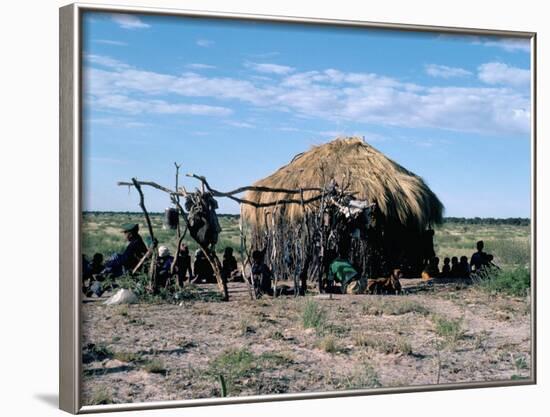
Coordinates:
164	264
446	270
183	264
432	269
229	264
203	270
261	274
341	271
464	268
86	274
455	268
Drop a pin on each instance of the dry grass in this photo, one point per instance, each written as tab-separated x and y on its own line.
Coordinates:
402	196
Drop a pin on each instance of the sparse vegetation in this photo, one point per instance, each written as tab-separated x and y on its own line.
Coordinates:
304	344
101	396
450	330
393	306
515	282
127	356
365	376
314	317
155	366
329	344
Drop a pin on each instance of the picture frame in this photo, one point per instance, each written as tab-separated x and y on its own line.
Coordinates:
71	197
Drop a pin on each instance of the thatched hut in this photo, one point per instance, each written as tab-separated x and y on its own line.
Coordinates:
404	206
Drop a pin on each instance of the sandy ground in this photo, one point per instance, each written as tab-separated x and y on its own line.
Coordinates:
152	352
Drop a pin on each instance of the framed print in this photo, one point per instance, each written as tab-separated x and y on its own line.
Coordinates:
262	208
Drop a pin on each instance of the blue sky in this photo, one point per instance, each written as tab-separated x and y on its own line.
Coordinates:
236	100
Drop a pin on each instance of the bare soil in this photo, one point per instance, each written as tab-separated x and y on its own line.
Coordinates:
449	333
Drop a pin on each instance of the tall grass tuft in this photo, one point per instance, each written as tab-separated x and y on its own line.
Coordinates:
314	317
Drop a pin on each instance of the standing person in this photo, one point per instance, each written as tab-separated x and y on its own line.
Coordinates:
164	263
261	274
229	263
479	258
183	264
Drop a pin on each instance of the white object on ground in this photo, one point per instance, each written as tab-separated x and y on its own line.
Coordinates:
122	296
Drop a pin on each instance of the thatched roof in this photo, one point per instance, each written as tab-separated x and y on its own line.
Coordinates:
401	195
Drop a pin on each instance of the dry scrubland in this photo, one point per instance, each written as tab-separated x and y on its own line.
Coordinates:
203	348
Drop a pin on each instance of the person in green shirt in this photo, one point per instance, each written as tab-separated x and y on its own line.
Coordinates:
340	270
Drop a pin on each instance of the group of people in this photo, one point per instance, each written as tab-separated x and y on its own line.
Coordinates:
180	268
455	268
168	268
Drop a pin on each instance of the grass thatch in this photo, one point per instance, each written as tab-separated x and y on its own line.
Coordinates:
402	196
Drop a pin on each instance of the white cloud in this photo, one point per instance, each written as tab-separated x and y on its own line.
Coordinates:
507	44
330	95
106	61
242	125
269	68
117	121
443	71
502	74
205	43
128	21
138	106
200	66
110	42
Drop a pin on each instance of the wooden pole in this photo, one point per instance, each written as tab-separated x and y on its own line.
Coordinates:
153	246
177	196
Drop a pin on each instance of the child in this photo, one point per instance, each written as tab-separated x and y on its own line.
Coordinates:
455	267
446	270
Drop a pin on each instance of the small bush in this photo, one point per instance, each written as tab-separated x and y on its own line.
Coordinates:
364	376
314	317
127	356
521	363
329	344
101	396
236	364
99	352
381	344
516	282
403	346
155	366
277	335
449	329
246	327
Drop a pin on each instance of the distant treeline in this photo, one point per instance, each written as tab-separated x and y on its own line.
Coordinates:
515	221
134	213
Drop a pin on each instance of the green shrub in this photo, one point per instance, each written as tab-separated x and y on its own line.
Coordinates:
314	317
449	329
516	282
